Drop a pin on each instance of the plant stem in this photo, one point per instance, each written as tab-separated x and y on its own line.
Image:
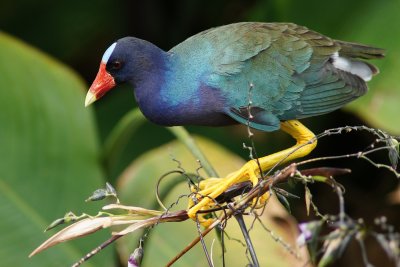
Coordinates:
250	247
120	136
182	135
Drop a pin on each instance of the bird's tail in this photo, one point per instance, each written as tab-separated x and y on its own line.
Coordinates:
354	50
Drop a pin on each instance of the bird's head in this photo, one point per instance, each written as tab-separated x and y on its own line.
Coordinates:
123	61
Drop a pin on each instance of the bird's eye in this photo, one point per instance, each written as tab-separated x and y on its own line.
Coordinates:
116	65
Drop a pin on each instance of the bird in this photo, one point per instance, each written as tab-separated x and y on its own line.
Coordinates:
266	76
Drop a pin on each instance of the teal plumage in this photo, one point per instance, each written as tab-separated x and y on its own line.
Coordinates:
286	71
288	65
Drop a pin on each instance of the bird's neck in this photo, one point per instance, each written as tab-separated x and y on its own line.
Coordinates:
151	77
151	62
169	93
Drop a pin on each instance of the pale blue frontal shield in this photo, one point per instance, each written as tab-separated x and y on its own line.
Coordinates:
108	53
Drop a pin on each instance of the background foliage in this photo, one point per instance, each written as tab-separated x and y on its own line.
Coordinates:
51	147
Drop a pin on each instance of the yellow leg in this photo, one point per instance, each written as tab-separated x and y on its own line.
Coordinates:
213	187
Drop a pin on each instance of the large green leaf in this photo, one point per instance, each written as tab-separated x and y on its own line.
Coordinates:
377	25
48	158
137	187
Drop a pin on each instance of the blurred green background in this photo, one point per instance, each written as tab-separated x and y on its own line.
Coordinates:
51	159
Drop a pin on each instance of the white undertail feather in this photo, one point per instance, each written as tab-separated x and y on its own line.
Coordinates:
359	68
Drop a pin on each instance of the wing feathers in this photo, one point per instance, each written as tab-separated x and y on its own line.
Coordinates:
296	72
326	97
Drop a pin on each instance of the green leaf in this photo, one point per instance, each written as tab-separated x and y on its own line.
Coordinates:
380	106
283	200
119	137
49	156
137	185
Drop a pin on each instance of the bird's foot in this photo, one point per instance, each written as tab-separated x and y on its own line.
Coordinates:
210	189
205	198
